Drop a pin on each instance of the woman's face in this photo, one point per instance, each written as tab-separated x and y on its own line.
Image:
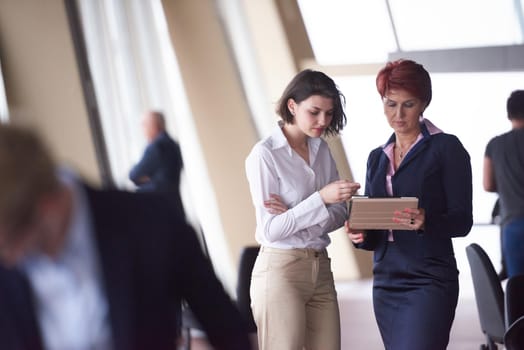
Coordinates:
403	110
313	115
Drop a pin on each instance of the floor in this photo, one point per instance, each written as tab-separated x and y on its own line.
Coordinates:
359	330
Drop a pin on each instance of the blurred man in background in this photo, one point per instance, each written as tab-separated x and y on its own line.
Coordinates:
161	164
89	269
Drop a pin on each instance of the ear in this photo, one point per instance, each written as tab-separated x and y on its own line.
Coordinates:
291	106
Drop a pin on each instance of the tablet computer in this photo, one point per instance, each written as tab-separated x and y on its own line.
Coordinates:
377	213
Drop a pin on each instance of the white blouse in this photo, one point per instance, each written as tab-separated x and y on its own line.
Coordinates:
273	167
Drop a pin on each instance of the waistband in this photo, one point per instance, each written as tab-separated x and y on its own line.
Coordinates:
299	252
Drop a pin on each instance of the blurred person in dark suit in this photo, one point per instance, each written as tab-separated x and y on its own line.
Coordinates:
160	167
83	268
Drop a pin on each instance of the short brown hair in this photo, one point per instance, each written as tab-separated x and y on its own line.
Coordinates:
515	105
27	171
308	83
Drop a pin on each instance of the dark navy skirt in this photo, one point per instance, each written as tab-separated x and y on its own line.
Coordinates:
414	299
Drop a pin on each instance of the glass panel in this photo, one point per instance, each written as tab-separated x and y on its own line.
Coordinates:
443	24
352	32
4	113
134	69
348	31
471	106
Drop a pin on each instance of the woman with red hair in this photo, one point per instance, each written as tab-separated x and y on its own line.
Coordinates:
415	276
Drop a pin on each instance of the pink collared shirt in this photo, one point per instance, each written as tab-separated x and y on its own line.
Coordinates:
389	151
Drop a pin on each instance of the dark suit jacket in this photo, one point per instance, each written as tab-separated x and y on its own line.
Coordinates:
438	172
150	260
162	163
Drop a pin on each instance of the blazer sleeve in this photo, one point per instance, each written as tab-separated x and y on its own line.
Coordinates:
208	300
371	237
454	216
146	165
264	180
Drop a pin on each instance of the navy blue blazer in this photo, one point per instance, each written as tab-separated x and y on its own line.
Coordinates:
150	261
437	170
162	163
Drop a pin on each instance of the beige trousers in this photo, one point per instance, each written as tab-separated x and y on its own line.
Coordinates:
294	301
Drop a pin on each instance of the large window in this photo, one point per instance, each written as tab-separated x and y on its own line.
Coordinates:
444	24
352	32
348	32
135	69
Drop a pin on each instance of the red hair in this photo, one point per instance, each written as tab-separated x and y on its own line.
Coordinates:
405	75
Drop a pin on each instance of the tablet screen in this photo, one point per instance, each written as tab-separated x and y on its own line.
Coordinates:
377	213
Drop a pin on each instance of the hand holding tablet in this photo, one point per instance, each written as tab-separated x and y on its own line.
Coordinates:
377	213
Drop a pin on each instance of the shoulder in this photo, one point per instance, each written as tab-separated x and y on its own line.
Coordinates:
448	146
443	137
495	141
262	149
115	207
376	153
445	140
515	133
374	159
142	222
166	138
508	141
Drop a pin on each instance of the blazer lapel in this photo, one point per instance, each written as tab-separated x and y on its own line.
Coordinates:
377	184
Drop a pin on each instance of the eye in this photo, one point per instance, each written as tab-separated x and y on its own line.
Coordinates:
409	104
391	103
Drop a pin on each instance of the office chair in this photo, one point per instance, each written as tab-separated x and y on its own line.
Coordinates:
514	299
489	296
189	322
247	261
514	336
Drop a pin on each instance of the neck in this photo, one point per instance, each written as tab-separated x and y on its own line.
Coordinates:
403	143
296	138
517	123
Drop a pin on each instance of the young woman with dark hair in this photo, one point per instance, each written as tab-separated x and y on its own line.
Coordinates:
299	199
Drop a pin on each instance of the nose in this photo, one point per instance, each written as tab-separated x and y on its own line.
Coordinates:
324	119
399	111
